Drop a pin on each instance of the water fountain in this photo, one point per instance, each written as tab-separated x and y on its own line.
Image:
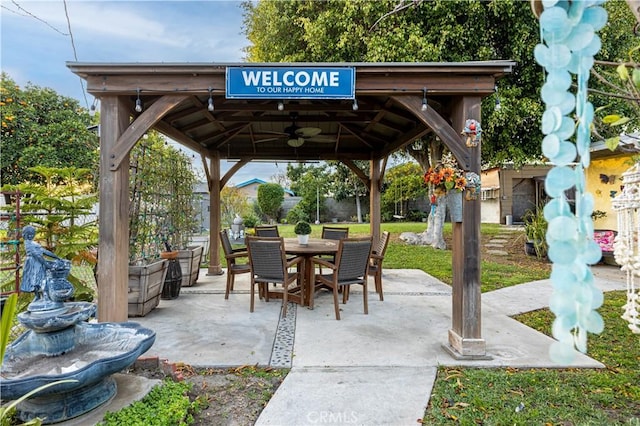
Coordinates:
60	344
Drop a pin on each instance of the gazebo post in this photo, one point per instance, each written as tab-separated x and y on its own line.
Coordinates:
113	245
215	268
465	336
374	198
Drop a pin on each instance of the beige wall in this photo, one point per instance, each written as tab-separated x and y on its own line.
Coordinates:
612	167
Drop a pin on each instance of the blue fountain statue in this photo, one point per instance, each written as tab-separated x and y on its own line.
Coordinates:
60	344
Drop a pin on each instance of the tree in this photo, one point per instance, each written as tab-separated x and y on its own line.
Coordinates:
347	184
437	30
41	128
270	198
402	184
59	204
232	202
312	184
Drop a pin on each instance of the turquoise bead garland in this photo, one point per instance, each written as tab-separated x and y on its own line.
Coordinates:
569	43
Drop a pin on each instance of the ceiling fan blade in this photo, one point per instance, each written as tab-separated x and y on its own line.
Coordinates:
295	142
322	139
308	132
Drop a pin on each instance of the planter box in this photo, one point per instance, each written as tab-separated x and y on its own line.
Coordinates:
201	240
190	264
145	287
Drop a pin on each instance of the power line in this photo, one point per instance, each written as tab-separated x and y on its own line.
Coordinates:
27	13
75	54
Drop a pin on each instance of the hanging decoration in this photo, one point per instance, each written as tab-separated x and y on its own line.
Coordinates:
569	43
626	249
472	188
473	132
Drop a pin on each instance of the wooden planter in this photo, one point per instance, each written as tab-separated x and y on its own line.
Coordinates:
190	259
145	287
201	240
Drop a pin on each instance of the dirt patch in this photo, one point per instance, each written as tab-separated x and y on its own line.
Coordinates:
228	396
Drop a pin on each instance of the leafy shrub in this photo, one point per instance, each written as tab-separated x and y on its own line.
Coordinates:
165	405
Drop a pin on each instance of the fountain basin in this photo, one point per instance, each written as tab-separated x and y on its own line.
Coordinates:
101	349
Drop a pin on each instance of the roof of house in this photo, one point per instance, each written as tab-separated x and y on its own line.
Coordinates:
260	182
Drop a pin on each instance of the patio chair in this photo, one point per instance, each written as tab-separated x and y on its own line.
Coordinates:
267	231
231	255
375	263
333	233
350	267
269	264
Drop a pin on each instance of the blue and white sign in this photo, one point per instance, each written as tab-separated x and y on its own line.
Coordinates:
290	83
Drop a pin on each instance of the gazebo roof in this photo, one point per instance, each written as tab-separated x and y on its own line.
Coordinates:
255	129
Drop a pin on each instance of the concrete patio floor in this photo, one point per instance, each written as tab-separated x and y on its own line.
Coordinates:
365	369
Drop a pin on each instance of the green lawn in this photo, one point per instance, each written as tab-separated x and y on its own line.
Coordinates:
507	396
436	263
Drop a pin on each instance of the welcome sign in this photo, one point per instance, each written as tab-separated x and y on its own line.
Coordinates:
290	83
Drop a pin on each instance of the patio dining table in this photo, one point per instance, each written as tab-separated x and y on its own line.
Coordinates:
315	247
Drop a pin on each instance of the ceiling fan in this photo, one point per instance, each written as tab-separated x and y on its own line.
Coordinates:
297	136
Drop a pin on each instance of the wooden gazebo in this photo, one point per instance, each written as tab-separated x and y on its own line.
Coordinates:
198	106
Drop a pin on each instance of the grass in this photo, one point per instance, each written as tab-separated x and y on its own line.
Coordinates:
507	396
434	262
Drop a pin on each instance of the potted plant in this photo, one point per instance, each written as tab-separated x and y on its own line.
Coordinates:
302	230
535	230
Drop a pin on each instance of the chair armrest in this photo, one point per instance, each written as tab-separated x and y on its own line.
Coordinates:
323	262
294	261
239	250
376	256
238	255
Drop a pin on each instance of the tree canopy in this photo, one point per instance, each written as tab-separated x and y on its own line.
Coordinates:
428	31
42	128
270	198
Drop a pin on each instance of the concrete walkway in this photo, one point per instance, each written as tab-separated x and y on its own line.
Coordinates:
365	369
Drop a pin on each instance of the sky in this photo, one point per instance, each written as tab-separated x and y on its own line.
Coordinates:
37	39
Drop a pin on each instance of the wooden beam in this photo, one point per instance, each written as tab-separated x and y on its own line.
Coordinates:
140	125
404	140
178	136
465	336
357	171
374	198
215	268
232	171
447	134
113	238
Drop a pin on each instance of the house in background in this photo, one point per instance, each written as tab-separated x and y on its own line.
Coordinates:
249	189
604	175
507	193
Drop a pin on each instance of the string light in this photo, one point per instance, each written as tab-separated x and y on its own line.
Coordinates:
424	99
280	106
210	106
92	109
138	102
355	104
